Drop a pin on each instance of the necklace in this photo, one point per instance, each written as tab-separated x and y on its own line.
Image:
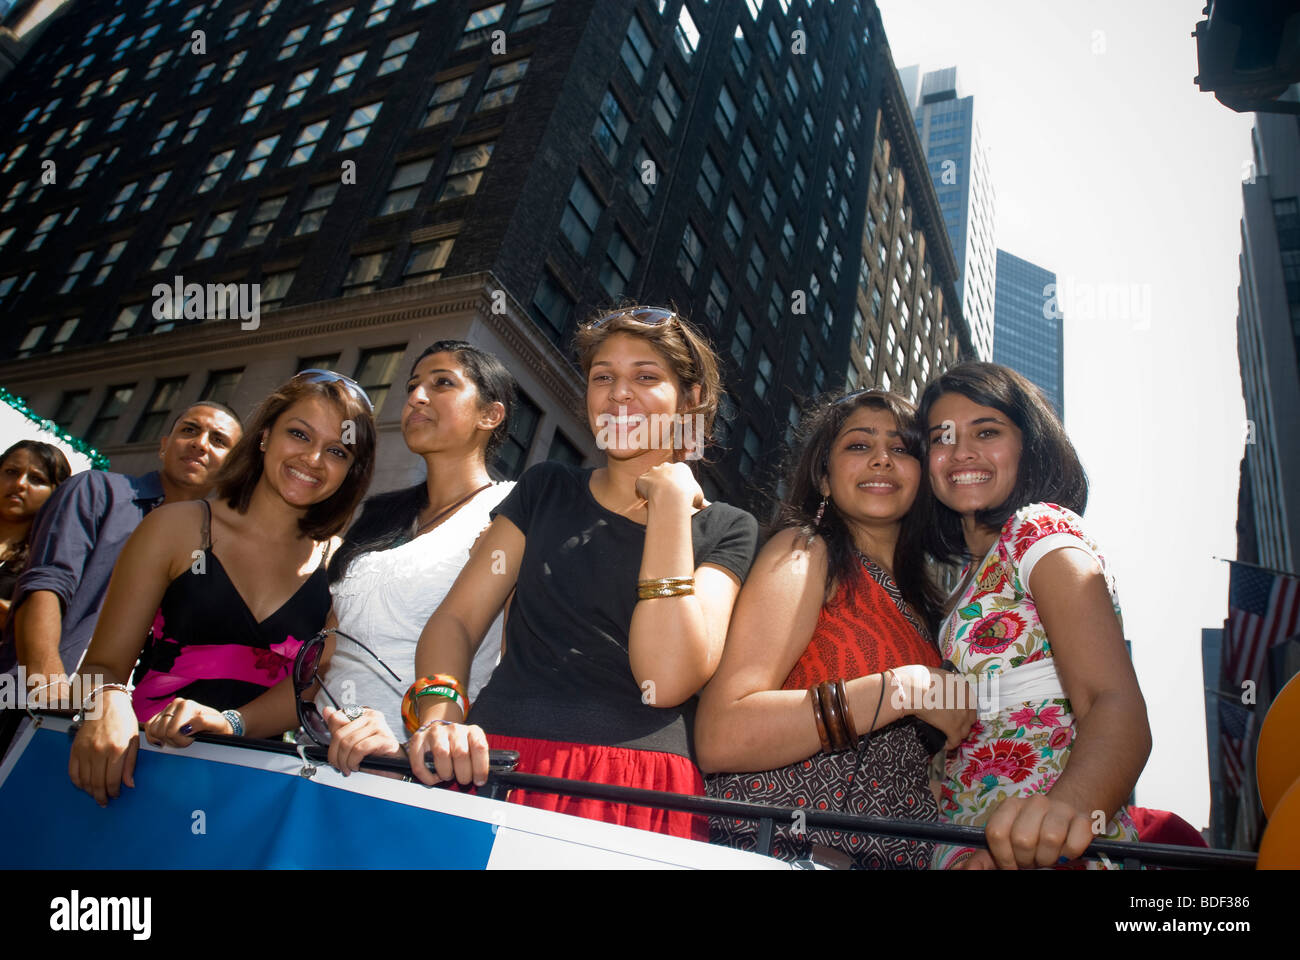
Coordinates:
454	507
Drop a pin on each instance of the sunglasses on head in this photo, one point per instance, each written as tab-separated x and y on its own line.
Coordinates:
650	316
316	375
306	671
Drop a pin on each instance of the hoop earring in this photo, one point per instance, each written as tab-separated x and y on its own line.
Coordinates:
821	511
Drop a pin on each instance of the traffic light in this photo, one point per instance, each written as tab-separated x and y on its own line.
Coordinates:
1248	52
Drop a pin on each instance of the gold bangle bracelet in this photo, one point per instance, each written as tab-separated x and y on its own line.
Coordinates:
665	587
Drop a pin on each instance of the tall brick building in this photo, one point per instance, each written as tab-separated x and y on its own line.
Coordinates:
391	172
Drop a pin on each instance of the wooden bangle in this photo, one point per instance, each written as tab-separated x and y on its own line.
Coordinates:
834	724
820	720
842	701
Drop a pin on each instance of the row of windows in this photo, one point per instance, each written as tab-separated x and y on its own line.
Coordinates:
530	13
463	175
499	91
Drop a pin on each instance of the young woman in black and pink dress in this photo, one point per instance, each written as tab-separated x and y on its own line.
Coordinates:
214	599
597	683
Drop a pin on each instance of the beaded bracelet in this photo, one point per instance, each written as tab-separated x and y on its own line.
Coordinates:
236	721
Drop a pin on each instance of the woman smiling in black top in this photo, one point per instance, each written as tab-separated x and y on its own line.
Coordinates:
624	581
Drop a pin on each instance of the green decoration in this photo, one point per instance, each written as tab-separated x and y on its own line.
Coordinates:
97	459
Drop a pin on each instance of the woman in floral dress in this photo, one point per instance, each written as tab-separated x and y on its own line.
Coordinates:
1063	732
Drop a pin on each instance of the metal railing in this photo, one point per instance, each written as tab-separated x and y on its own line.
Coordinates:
504	777
1131	854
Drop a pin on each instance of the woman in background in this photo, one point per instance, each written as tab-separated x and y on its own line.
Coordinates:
29	472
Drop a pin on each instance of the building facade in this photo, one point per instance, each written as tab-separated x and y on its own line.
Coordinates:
1029	328
1268	345
385	173
959	165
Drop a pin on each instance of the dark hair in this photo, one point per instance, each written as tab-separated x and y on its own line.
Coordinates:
207	403
51	459
240	472
494	383
1049	471
386	518
810	465
689	354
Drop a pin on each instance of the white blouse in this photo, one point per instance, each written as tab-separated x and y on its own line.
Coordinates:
386	597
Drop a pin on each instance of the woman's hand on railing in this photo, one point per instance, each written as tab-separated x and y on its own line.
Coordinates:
103	753
351	741
1037	831
440	750
175	724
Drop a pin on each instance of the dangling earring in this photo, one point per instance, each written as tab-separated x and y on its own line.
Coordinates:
821	511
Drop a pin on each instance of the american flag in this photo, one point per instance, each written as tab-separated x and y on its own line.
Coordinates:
1234	742
1263	610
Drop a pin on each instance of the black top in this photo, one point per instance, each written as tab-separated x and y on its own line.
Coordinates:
566	674
206	645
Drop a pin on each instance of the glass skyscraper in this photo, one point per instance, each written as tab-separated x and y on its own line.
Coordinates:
959	166
1029	326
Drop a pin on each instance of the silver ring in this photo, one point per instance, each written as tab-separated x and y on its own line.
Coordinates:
352	711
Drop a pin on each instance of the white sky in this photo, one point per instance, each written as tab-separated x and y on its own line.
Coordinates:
1111	167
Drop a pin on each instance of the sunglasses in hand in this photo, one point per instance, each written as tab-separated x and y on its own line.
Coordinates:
306	671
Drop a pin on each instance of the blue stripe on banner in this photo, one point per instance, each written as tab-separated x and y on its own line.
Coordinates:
253	819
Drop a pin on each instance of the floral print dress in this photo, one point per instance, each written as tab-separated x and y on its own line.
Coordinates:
1018	748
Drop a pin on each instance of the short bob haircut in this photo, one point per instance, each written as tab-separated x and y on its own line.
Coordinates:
689	354
1050	471
241	471
809	466
47	456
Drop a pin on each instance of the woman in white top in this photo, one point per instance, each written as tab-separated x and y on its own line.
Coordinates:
406	549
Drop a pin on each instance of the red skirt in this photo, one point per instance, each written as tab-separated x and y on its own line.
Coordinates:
616	766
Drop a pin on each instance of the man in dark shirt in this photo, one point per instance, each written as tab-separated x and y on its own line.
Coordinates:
81	530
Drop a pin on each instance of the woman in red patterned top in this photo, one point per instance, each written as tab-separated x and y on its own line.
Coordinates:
837	612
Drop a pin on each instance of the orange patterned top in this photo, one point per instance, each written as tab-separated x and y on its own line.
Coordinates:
863	631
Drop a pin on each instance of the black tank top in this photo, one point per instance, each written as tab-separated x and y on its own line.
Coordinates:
205	644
